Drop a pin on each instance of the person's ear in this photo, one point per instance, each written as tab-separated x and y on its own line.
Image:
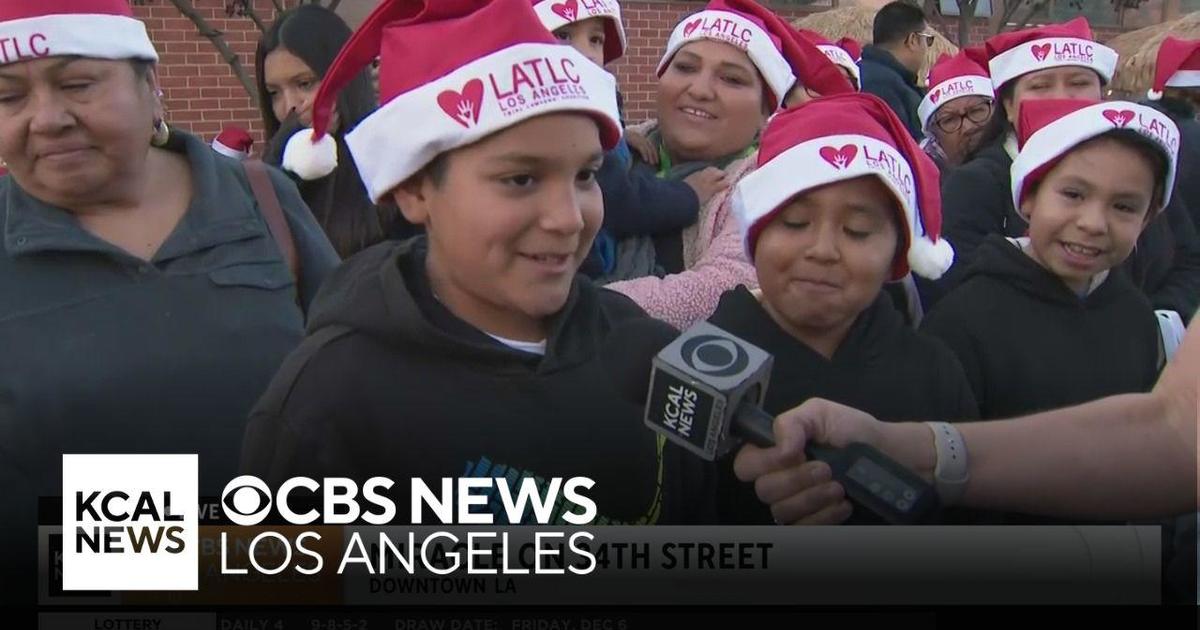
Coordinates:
1010	110
151	84
415	197
1027	205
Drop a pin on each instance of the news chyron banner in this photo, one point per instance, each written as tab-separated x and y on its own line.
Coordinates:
129	538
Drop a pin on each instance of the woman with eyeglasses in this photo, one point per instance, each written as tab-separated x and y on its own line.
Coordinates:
955	110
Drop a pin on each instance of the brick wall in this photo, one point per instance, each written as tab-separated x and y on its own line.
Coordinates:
203	95
201	92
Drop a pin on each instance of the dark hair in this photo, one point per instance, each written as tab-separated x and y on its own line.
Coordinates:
315	35
1147	149
896	21
141	67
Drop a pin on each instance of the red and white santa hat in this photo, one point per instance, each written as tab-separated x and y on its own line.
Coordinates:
852	47
811	68
953	77
99	29
838	138
233	142
503	69
1048	129
745	25
555	15
1011	55
836	53
1177	65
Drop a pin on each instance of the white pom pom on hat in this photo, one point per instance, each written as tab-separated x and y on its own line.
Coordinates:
930	259
310	159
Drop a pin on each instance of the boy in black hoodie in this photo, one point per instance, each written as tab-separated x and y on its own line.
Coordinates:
1052	320
473	351
829	215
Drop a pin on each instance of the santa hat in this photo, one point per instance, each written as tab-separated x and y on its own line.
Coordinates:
99	29
1048	129
555	15
950	78
810	66
840	56
233	142
1011	55
838	138
1177	65
851	46
503	69
745	25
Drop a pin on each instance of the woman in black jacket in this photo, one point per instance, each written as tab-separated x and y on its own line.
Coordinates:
1056	61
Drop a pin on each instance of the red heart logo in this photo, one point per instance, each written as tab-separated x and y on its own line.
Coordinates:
691	26
934	96
1118	118
839	158
1040	52
463	107
567	10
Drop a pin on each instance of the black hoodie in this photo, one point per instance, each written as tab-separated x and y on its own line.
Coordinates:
390	383
977	201
882	367
1028	343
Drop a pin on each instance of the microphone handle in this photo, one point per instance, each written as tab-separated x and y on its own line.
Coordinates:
754	425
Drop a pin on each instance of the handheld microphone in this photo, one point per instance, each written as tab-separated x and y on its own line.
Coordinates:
704	393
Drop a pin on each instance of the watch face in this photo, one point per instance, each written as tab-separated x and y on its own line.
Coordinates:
883	484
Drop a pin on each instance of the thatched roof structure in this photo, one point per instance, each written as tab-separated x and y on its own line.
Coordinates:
856	22
1139	49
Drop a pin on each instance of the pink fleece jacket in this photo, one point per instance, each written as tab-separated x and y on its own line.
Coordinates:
714	263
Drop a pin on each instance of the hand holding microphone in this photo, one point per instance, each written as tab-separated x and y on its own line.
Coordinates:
703	394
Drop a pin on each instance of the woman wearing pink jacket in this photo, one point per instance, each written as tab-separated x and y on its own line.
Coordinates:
725	70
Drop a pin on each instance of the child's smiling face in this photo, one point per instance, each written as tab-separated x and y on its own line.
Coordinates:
509	220
1087	213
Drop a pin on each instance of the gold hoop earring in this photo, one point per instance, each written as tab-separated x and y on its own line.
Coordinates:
162	133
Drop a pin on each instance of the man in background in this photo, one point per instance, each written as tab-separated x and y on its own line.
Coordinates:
890	64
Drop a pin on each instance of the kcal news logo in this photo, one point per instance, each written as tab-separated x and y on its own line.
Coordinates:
129	522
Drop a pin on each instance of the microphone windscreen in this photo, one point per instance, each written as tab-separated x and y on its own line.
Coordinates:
629	350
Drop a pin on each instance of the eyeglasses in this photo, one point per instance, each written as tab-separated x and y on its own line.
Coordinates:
928	37
951	122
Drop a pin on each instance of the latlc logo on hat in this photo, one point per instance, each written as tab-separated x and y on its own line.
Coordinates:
566	10
570	10
464	106
1119	118
839	158
1064	51
726	29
